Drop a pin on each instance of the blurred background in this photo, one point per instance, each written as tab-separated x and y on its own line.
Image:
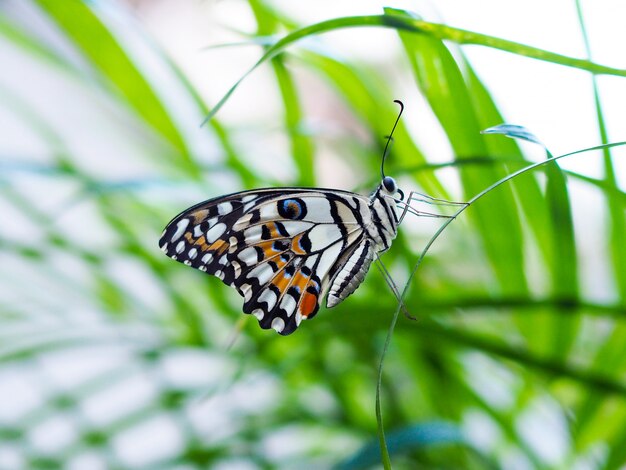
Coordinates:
114	356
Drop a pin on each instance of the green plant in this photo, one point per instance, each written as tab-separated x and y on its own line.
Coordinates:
89	305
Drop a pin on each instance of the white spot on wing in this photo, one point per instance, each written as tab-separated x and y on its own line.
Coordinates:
323	235
258	313
263	272
164	248
248	198
269	212
318	210
193	253
237	267
346	215
206	259
248	256
215	232
243	222
253	234
224	208
233	244
310	261
248	206
180	247
294	227
187	262
202	268
268	296
197	231
288	304
327	259
181	226
246	290
278	324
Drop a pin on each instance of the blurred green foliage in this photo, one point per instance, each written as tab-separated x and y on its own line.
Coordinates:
491	361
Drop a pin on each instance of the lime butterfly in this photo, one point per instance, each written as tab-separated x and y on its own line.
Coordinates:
285	249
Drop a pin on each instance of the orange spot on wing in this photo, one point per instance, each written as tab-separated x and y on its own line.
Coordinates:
308	304
295	245
282	282
202	243
272	228
200	215
219	245
280	263
300	281
274	233
268	249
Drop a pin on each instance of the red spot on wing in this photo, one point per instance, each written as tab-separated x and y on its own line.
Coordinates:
308	303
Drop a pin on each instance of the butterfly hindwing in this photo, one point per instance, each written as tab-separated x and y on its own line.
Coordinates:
278	248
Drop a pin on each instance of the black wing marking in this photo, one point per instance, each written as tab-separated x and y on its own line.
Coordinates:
278	248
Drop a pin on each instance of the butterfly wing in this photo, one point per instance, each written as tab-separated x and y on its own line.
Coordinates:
279	248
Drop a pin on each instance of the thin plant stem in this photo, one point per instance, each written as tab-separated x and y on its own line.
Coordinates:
379	418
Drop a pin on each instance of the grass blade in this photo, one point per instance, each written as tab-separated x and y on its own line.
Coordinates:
97	43
440	79
434	30
302	150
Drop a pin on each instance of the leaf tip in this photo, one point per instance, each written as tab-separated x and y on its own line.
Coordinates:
514	131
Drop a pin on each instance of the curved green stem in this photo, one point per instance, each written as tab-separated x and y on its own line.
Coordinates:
379	417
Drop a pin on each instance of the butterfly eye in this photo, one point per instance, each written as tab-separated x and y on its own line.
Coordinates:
293	209
390	185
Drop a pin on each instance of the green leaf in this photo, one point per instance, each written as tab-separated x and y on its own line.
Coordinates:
367	94
515	132
565	260
301	145
95	41
440	79
434	30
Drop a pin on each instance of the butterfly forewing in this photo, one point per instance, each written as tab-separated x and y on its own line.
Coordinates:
279	248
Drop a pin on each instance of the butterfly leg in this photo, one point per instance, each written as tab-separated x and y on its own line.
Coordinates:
392	285
414	196
420	197
411	210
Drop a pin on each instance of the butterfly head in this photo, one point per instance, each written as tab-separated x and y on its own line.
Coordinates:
390	187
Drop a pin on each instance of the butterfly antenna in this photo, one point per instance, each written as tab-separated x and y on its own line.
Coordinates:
390	138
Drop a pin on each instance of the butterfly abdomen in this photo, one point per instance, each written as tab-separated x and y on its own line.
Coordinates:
351	274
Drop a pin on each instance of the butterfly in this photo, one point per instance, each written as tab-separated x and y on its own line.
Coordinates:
286	249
